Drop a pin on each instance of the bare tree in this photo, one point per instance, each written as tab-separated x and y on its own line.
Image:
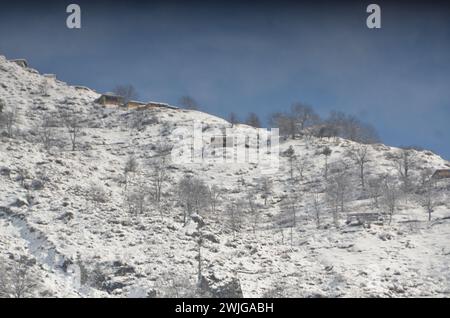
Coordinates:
390	197
2	115
428	197
215	194
193	194
199	256
131	166
375	190
189	103
200	195
326	130
159	169
326	152
72	121
301	164
233	118
293	202
266	188
18	281
303	116
184	192
136	121
425	176
360	155
350	127
8	120
291	123
333	200
404	162
317	207
368	134
253	120
234	217
46	133
254	209
288	215
285	123
337	191
127	92
159	176
11	120
136	200
200	278
290	154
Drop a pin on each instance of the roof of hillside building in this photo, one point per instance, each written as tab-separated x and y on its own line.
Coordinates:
442	173
111	94
136	102
161	105
21	62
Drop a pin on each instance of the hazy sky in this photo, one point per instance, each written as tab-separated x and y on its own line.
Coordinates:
244	57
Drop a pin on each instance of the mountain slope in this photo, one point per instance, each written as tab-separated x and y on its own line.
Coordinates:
67	211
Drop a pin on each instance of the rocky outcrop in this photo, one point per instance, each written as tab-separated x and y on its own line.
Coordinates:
227	287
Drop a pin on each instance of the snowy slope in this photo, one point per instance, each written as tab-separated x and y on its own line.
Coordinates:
72	238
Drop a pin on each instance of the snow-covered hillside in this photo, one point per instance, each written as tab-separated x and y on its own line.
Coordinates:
71	214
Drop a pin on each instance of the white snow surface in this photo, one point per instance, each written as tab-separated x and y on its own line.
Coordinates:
60	223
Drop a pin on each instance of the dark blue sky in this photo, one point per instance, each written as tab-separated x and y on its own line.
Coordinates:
261	57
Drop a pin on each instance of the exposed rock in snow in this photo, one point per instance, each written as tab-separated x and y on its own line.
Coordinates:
221	287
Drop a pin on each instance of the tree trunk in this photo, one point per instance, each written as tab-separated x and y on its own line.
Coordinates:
292	237
200	259
362	176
